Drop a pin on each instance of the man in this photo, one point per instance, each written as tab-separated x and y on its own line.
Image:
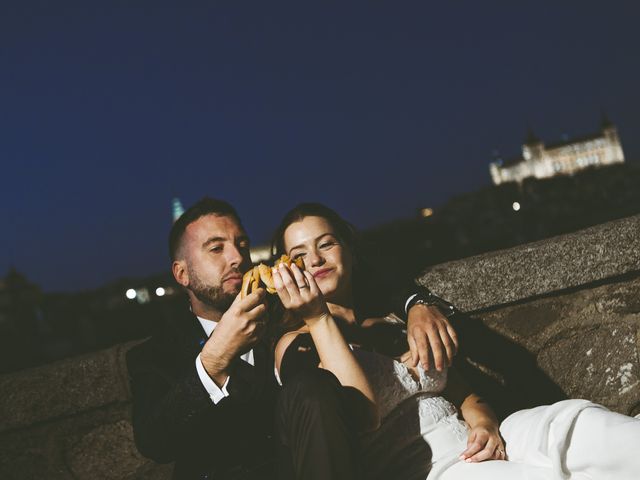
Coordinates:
203	388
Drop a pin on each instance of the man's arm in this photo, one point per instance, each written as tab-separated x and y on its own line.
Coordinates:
431	337
238	329
172	407
167	405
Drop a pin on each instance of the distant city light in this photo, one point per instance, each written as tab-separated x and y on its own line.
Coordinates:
176	209
160	292
260	254
131	294
142	296
516	206
426	212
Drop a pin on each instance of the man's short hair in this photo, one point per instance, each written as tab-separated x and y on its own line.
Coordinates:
205	206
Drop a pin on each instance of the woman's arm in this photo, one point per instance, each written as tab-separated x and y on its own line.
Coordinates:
300	294
484	442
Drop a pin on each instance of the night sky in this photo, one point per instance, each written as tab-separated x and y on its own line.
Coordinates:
110	109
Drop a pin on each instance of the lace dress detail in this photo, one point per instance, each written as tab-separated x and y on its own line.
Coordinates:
419	427
392	382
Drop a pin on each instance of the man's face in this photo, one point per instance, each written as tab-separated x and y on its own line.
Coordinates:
215	250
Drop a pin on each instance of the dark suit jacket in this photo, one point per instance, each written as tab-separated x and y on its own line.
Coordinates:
174	418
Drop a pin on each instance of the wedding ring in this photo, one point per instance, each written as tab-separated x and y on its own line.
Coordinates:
302	286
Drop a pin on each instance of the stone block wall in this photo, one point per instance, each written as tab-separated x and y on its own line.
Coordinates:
556	318
563	312
71	420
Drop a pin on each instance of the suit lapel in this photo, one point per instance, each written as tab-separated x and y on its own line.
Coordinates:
187	335
263	363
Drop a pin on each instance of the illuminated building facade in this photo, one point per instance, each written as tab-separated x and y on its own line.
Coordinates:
565	158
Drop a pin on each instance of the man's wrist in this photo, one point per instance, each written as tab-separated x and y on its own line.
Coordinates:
215	367
428	299
216	391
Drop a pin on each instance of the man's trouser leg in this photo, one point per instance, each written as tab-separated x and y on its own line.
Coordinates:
316	440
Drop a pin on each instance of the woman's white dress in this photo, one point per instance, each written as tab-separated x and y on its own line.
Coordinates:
421	435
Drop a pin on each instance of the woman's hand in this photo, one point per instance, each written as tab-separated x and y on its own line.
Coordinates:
484	443
299	293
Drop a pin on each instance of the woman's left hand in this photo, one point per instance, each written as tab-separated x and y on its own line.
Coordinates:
484	443
299	293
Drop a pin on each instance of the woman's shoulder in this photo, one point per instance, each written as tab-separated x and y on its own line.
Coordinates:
286	340
295	353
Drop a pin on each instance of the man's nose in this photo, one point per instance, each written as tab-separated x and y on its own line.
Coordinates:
234	257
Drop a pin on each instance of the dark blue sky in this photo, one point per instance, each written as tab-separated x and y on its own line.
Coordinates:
110	109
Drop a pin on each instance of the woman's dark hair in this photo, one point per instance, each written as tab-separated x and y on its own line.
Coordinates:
345	232
362	278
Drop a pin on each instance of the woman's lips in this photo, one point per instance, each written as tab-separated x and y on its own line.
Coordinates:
322	273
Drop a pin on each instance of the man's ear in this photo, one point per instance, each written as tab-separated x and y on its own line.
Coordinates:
180	273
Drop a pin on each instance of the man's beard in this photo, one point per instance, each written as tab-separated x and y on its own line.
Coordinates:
211	295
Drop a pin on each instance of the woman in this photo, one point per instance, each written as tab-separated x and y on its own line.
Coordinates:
420	433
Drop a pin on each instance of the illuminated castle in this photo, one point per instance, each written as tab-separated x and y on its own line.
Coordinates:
565	158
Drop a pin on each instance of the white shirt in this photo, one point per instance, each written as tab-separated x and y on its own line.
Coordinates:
215	393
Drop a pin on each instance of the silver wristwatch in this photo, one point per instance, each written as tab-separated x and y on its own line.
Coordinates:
428	298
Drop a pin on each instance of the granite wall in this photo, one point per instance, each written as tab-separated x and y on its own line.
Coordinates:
545	321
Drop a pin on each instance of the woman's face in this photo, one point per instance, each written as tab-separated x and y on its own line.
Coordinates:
329	261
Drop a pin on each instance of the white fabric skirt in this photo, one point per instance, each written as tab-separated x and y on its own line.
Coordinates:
569	440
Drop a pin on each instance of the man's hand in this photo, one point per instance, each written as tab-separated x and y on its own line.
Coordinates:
238	329
430	337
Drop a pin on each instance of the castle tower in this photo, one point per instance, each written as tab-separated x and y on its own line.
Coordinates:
533	148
